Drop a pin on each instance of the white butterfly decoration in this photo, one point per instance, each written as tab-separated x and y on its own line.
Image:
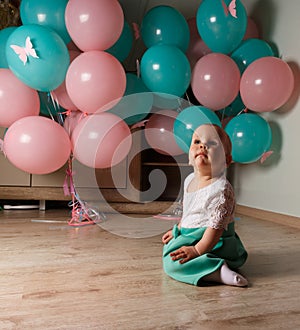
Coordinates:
230	9
25	52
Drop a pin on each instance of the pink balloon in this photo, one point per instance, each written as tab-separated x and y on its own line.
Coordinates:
72	120
101	141
37	145
266	84
215	81
252	30
94	24
60	93
197	48
17	100
159	133
95	81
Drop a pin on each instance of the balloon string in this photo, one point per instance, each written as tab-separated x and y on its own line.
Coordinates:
47	106
82	214
138	70
223	114
179	108
187	97
243	110
68	186
56	107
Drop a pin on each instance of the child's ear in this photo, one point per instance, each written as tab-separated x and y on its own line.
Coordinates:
228	160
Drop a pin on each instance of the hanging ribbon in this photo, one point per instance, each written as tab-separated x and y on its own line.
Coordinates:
68	185
82	213
56	107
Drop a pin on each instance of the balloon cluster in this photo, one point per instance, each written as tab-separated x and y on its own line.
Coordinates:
233	73
72	51
69	51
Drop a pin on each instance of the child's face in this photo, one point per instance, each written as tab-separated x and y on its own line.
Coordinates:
206	152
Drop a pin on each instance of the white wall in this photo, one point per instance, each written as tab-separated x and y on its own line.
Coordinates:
274	185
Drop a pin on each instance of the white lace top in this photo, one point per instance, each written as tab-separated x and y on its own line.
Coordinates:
211	206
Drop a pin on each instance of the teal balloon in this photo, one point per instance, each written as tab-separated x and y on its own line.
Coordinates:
249	51
219	30
188	120
122	47
136	103
166	101
275	49
251	137
46	72
165	25
4	34
50	14
165	69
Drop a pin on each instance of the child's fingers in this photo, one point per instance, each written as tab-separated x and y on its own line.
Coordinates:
166	238
179	254
184	254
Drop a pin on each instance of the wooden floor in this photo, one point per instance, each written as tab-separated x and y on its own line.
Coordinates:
54	276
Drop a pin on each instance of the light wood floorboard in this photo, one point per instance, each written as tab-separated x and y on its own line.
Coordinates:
54	276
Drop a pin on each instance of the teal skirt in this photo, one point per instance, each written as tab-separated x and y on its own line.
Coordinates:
229	249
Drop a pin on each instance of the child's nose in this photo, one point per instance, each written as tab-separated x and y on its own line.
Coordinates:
203	146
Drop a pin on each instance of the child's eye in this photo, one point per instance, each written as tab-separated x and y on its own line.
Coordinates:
196	141
212	143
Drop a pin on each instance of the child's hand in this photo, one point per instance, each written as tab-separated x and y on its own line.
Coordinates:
167	237
184	254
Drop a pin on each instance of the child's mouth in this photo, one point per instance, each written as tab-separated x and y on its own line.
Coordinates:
203	155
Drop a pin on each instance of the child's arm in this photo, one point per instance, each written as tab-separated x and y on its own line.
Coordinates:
209	239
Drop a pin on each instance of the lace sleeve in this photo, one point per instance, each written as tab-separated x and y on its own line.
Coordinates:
221	208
